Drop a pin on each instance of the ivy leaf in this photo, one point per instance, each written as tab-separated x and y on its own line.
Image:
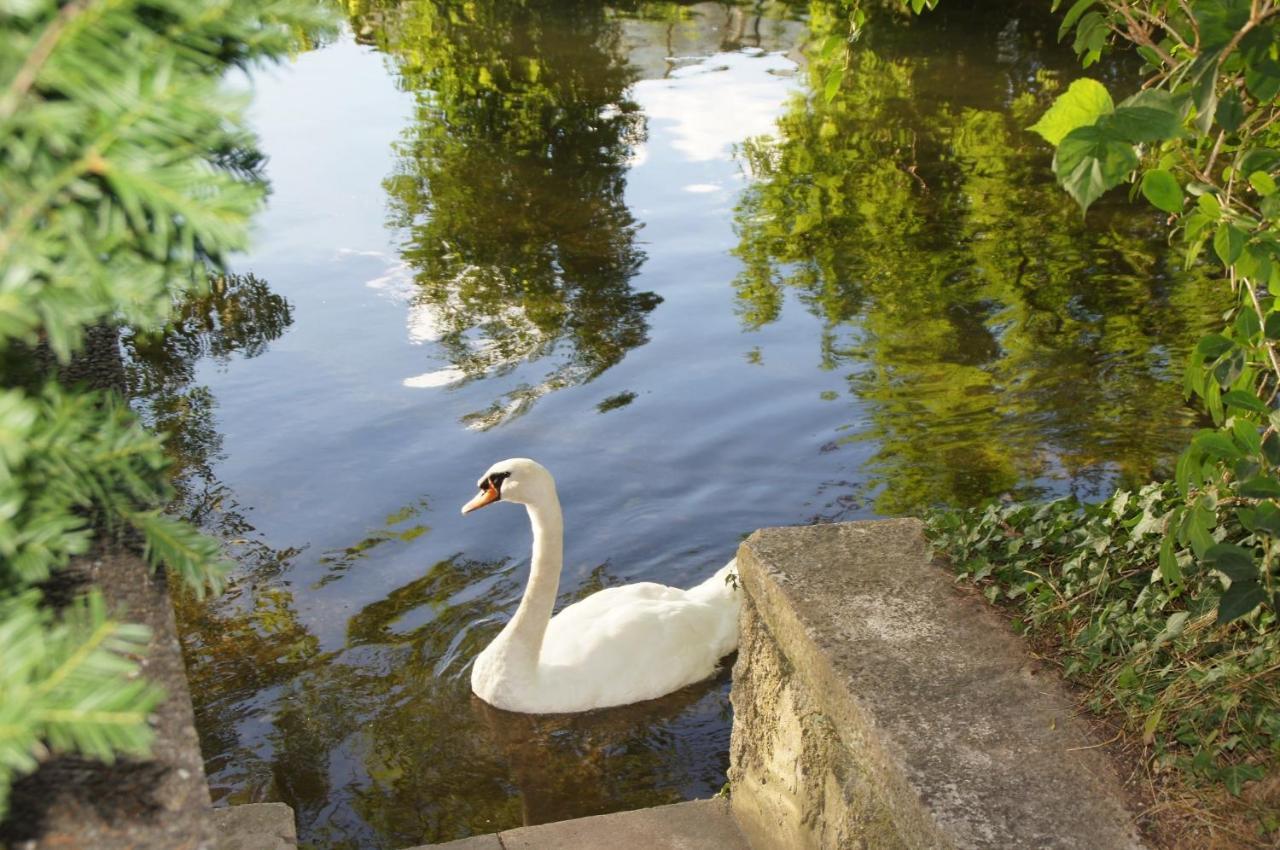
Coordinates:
1081	105
1239	599
1091	160
1162	190
1169	569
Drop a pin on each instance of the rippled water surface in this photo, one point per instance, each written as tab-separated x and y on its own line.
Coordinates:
631	242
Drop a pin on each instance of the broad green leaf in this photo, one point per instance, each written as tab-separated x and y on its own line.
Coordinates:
1272	326
1262	182
1239	599
1245	400
1228	242
1090	161
1236	561
1259	159
1216	444
1263	80
1162	190
1204	76
1208	204
1247	435
1266	517
1081	105
1213	346
1247	324
1230	111
1073	15
832	85
1143	123
1262	487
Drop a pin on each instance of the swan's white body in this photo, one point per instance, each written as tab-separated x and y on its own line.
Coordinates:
618	646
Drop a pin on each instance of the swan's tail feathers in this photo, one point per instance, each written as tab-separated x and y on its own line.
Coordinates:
723	586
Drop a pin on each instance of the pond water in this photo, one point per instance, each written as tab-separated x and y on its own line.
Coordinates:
629	241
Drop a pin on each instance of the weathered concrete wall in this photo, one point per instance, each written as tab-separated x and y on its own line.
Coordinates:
876	707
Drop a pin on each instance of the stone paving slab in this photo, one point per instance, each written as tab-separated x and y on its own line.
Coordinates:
255	826
696	825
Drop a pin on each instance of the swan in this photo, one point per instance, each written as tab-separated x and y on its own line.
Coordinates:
618	646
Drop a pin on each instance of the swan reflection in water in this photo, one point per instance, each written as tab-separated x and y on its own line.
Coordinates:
567	766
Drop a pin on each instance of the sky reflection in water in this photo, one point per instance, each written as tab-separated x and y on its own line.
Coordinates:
558	230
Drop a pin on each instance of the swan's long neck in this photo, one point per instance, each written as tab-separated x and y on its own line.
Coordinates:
529	625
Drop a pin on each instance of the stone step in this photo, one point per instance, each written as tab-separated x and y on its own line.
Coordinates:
255	826
696	825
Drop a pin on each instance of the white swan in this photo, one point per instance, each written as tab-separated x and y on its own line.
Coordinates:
618	646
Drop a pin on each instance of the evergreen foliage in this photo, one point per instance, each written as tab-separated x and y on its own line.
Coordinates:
127	174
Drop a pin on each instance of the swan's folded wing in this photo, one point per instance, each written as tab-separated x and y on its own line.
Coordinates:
640	629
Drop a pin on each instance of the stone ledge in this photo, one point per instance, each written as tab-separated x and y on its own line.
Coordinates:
158	803
696	825
877	707
255	826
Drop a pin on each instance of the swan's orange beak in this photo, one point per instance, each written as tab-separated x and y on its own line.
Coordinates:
487	496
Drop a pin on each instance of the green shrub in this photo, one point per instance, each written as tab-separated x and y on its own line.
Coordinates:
126	176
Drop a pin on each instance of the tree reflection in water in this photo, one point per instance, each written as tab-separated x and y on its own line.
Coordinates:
508	187
991	336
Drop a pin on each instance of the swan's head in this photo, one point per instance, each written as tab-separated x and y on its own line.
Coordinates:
518	480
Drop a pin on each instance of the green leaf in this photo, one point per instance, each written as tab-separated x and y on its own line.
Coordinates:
832	84
1262	487
1272	326
1236	561
1262	183
1247	324
1169	569
1239	599
1216	444
1245	400
1235	775
1162	190
1073	15
1263	80
1213	346
1266	517
1209	205
1203	75
1090	160
1081	105
1230	111
1247	435
1259	159
1228	242
1143	123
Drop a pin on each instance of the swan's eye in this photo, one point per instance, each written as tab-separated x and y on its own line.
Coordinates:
495	481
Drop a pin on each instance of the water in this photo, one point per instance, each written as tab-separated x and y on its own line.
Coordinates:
630	242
